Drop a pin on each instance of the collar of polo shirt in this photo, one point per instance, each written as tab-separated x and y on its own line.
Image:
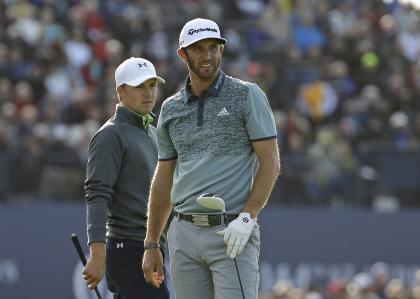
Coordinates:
214	88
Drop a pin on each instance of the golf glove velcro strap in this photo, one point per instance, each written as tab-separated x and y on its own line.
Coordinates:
237	233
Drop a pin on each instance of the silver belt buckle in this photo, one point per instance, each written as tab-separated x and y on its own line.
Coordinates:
200	220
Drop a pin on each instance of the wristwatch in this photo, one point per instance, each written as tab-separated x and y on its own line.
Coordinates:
151	246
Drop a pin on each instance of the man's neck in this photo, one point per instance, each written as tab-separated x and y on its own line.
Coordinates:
197	85
138	113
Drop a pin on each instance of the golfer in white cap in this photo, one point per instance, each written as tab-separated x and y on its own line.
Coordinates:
216	136
122	159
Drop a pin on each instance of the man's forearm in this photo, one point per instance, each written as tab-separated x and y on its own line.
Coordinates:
159	207
158	214
263	184
97	250
267	173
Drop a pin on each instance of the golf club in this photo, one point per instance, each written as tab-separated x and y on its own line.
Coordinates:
213	202
79	250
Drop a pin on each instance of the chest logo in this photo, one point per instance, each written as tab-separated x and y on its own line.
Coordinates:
223	112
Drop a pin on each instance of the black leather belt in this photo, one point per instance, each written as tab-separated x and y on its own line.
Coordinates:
207	220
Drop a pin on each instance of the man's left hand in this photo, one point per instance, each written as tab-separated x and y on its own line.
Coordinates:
152	266
237	233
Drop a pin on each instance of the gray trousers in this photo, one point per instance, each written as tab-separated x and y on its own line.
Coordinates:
200	267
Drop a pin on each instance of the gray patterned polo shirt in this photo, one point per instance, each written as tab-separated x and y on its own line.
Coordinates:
210	136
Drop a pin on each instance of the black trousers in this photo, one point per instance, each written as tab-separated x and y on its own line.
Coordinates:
124	273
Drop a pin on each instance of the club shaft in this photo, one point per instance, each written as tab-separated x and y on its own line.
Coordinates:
236	263
239	278
82	257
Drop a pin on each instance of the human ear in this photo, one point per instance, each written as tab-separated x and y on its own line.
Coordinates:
182	54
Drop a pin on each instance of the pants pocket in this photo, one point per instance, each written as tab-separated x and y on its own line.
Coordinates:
254	238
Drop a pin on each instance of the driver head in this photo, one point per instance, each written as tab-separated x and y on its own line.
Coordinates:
211	201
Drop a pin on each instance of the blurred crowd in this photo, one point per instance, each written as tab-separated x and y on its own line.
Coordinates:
343	79
375	283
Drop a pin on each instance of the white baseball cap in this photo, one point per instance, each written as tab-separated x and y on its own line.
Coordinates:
198	29
135	71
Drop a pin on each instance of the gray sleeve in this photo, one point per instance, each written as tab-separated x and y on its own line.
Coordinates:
105	156
166	149
260	122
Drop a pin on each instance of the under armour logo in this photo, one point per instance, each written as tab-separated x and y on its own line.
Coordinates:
142	64
120	245
245	220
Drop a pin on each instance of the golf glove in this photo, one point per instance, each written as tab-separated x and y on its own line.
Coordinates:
237	233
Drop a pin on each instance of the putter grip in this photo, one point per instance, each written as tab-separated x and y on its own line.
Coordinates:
79	250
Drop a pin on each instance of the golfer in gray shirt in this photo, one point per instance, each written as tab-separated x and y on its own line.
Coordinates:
216	135
122	159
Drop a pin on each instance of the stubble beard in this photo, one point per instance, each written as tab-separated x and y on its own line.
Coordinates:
205	76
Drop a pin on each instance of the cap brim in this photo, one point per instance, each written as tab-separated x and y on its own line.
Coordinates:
140	80
220	39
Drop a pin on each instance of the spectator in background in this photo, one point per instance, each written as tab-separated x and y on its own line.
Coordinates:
337	75
307	34
342	20
276	22
4	60
331	165
77	51
362	287
336	289
409	42
396	289
317	99
381	277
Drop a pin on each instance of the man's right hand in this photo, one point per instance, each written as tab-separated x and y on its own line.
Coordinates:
153	267
95	267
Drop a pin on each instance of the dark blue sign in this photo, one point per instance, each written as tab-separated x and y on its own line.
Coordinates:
37	258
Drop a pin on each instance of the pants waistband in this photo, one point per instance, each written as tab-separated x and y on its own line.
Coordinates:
207	220
122	243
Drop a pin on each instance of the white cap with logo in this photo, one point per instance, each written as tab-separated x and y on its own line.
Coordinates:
134	71
198	29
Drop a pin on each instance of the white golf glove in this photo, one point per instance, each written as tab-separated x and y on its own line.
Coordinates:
237	233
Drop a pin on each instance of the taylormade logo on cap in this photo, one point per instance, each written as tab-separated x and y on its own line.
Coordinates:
198	29
134	71
192	31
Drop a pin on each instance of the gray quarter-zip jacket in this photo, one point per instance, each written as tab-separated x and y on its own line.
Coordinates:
122	160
